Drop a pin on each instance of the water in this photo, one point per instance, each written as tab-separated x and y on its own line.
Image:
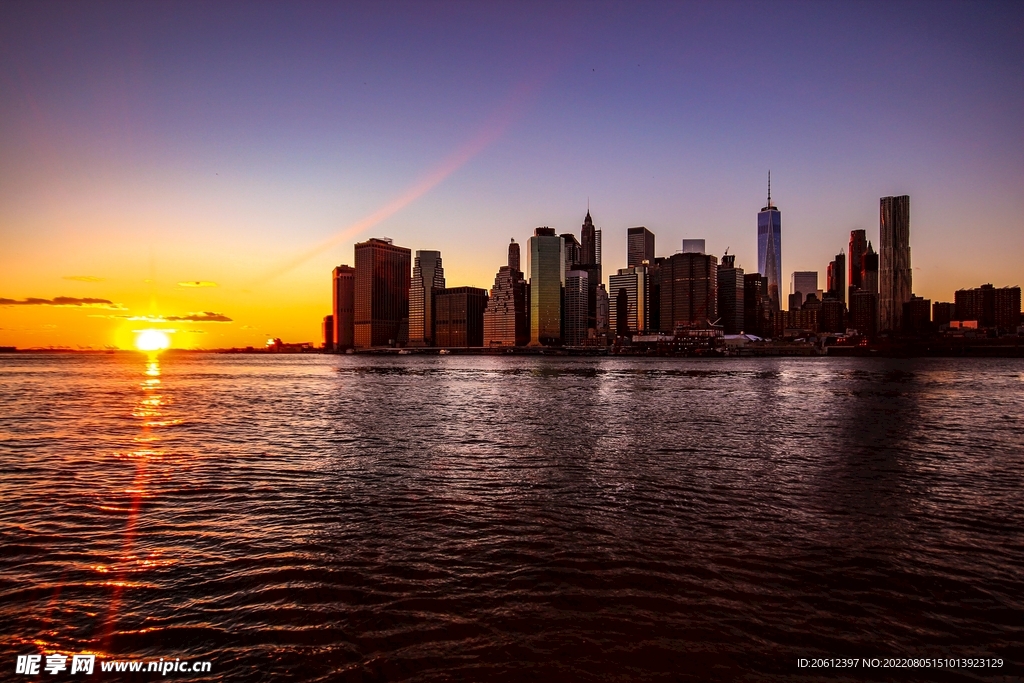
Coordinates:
511	518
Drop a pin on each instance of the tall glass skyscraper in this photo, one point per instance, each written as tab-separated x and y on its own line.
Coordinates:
769	246
427	278
895	281
546	252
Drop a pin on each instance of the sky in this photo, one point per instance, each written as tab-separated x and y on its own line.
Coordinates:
201	167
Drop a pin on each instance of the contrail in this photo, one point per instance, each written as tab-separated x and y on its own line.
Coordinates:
492	129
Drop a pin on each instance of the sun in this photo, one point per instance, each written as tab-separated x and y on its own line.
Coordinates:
152	340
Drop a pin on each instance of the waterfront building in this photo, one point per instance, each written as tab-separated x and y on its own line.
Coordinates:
693	246
855	257
802	283
627	297
730	295
327	331
769	247
756	306
343	307
864	312
836	277
895	281
507	316
427	279
575	317
916	316
942	313
688	291
993	307
639	247
459	316
382	275
546	265
832	314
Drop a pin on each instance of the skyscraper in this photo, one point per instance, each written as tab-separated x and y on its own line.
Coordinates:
689	291
895	285
507	316
575	316
869	278
630	282
756	307
769	247
459	313
837	277
382	275
639	248
547	279
802	283
427	278
572	249
858	246
343	306
589	250
730	295
589	259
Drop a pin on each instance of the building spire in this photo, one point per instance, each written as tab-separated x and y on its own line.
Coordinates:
769	187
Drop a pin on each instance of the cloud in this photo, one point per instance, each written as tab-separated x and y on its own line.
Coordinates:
63	301
204	317
84	278
197	283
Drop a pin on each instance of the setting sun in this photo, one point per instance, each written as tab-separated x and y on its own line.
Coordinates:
152	340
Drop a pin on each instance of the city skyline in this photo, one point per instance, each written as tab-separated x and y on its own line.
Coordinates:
206	185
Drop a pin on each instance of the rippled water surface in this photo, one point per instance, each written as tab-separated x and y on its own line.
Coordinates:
511	518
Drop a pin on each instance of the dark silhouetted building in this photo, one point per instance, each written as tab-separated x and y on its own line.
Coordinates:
895	281
632	283
427	278
730	295
864	312
327	330
802	283
992	307
588	258
942	313
870	273
571	250
769	247
547	281
639	247
837	277
575	315
855	258
832	316
689	291
917	316
459	316
343	307
756	306
602	309
382	278
507	317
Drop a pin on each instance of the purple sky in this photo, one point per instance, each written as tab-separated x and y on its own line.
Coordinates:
149	143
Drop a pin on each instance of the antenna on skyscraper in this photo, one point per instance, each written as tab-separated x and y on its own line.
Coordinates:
769	187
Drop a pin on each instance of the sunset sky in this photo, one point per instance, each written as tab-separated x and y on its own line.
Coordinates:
203	166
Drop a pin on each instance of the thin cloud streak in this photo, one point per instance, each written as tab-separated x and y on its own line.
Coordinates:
507	113
63	301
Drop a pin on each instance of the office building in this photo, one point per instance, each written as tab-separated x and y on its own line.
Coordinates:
942	313
691	246
327	331
427	278
459	316
575	309
688	292
571	249
590	239
756	306
992	307
639	248
590	261
546	264
855	258
730	295
343	307
894	277
507	316
601	312
627	300
832	314
870	271
864	312
769	247
801	283
836	277
382	277
916	316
